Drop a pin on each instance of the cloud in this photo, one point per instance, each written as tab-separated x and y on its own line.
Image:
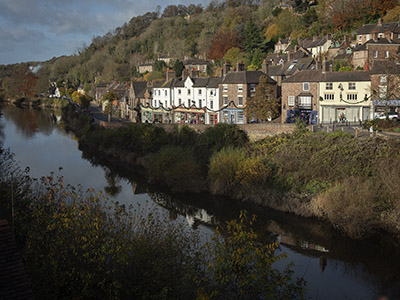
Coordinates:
34	27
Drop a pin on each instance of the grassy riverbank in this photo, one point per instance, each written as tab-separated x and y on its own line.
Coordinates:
352	183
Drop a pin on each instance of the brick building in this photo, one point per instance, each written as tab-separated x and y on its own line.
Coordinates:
390	31
234	90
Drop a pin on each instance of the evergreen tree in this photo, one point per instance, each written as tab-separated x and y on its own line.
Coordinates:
252	37
178	67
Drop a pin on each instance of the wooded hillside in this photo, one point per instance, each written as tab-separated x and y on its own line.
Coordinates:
236	29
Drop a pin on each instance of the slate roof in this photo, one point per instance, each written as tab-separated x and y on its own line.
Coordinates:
200	82
245	77
139	86
381	41
14	282
385	67
214	82
379	28
292	67
319	76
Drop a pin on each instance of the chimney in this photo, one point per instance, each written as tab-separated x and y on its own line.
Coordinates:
324	66
380	21
314	38
170	75
264	67
185	74
240	66
227	67
194	73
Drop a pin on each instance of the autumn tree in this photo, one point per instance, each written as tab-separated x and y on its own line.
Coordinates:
80	99
264	105
107	102
222	42
233	55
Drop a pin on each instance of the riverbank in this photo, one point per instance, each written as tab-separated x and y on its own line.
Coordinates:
43	102
351	183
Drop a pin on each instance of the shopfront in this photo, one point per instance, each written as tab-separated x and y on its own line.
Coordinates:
381	107
305	115
182	115
232	116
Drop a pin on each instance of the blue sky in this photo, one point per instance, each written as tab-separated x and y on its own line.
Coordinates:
37	30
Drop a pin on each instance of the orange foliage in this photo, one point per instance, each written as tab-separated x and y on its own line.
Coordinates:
222	42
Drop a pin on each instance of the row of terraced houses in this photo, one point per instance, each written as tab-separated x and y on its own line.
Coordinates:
302	78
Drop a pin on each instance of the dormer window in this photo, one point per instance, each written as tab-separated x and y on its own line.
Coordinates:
306	86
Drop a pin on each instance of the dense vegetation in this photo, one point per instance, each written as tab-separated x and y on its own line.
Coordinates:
78	245
350	182
246	28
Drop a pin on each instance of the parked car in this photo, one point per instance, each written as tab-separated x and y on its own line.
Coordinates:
392	116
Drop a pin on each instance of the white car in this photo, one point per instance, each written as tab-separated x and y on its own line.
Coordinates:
392	116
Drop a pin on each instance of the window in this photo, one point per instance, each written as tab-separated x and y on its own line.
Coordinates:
329	97
159	92
356	54
329	86
179	101
240	88
359	37
382	92
383	79
211	93
352	85
166	104
351	96
306	86
212	104
380	35
199	91
386	54
252	88
200	103
240	117
225	87
375	54
368	37
165	92
240	100
305	102
225	100
290	100
179	91
188	91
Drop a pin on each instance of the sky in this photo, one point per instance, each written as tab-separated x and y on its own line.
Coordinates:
37	30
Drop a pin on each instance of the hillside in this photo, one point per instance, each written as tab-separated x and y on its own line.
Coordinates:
250	27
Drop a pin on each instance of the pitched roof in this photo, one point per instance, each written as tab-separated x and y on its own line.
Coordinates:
200	82
138	86
379	28
381	41
195	61
385	67
319	76
14	282
214	82
245	77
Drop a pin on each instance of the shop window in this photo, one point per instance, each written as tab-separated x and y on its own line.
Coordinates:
240	117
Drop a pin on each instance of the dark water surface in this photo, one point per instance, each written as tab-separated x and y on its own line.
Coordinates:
334	267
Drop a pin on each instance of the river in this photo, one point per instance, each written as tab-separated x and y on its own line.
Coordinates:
335	267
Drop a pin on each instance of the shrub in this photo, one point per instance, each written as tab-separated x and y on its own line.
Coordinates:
353	206
224	166
177	168
252	173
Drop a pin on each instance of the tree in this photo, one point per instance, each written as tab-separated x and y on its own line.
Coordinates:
264	105
222	42
82	100
107	102
252	37
159	65
178	67
241	266
233	55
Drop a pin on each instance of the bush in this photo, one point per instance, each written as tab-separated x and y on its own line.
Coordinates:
252	173
177	168
353	206
224	166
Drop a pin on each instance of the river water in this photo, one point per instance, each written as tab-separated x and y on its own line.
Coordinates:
334	266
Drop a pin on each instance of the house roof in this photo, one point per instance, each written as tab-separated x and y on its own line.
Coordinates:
381	41
379	28
14	282
385	67
319	76
292	67
245	77
214	82
200	82
138	86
